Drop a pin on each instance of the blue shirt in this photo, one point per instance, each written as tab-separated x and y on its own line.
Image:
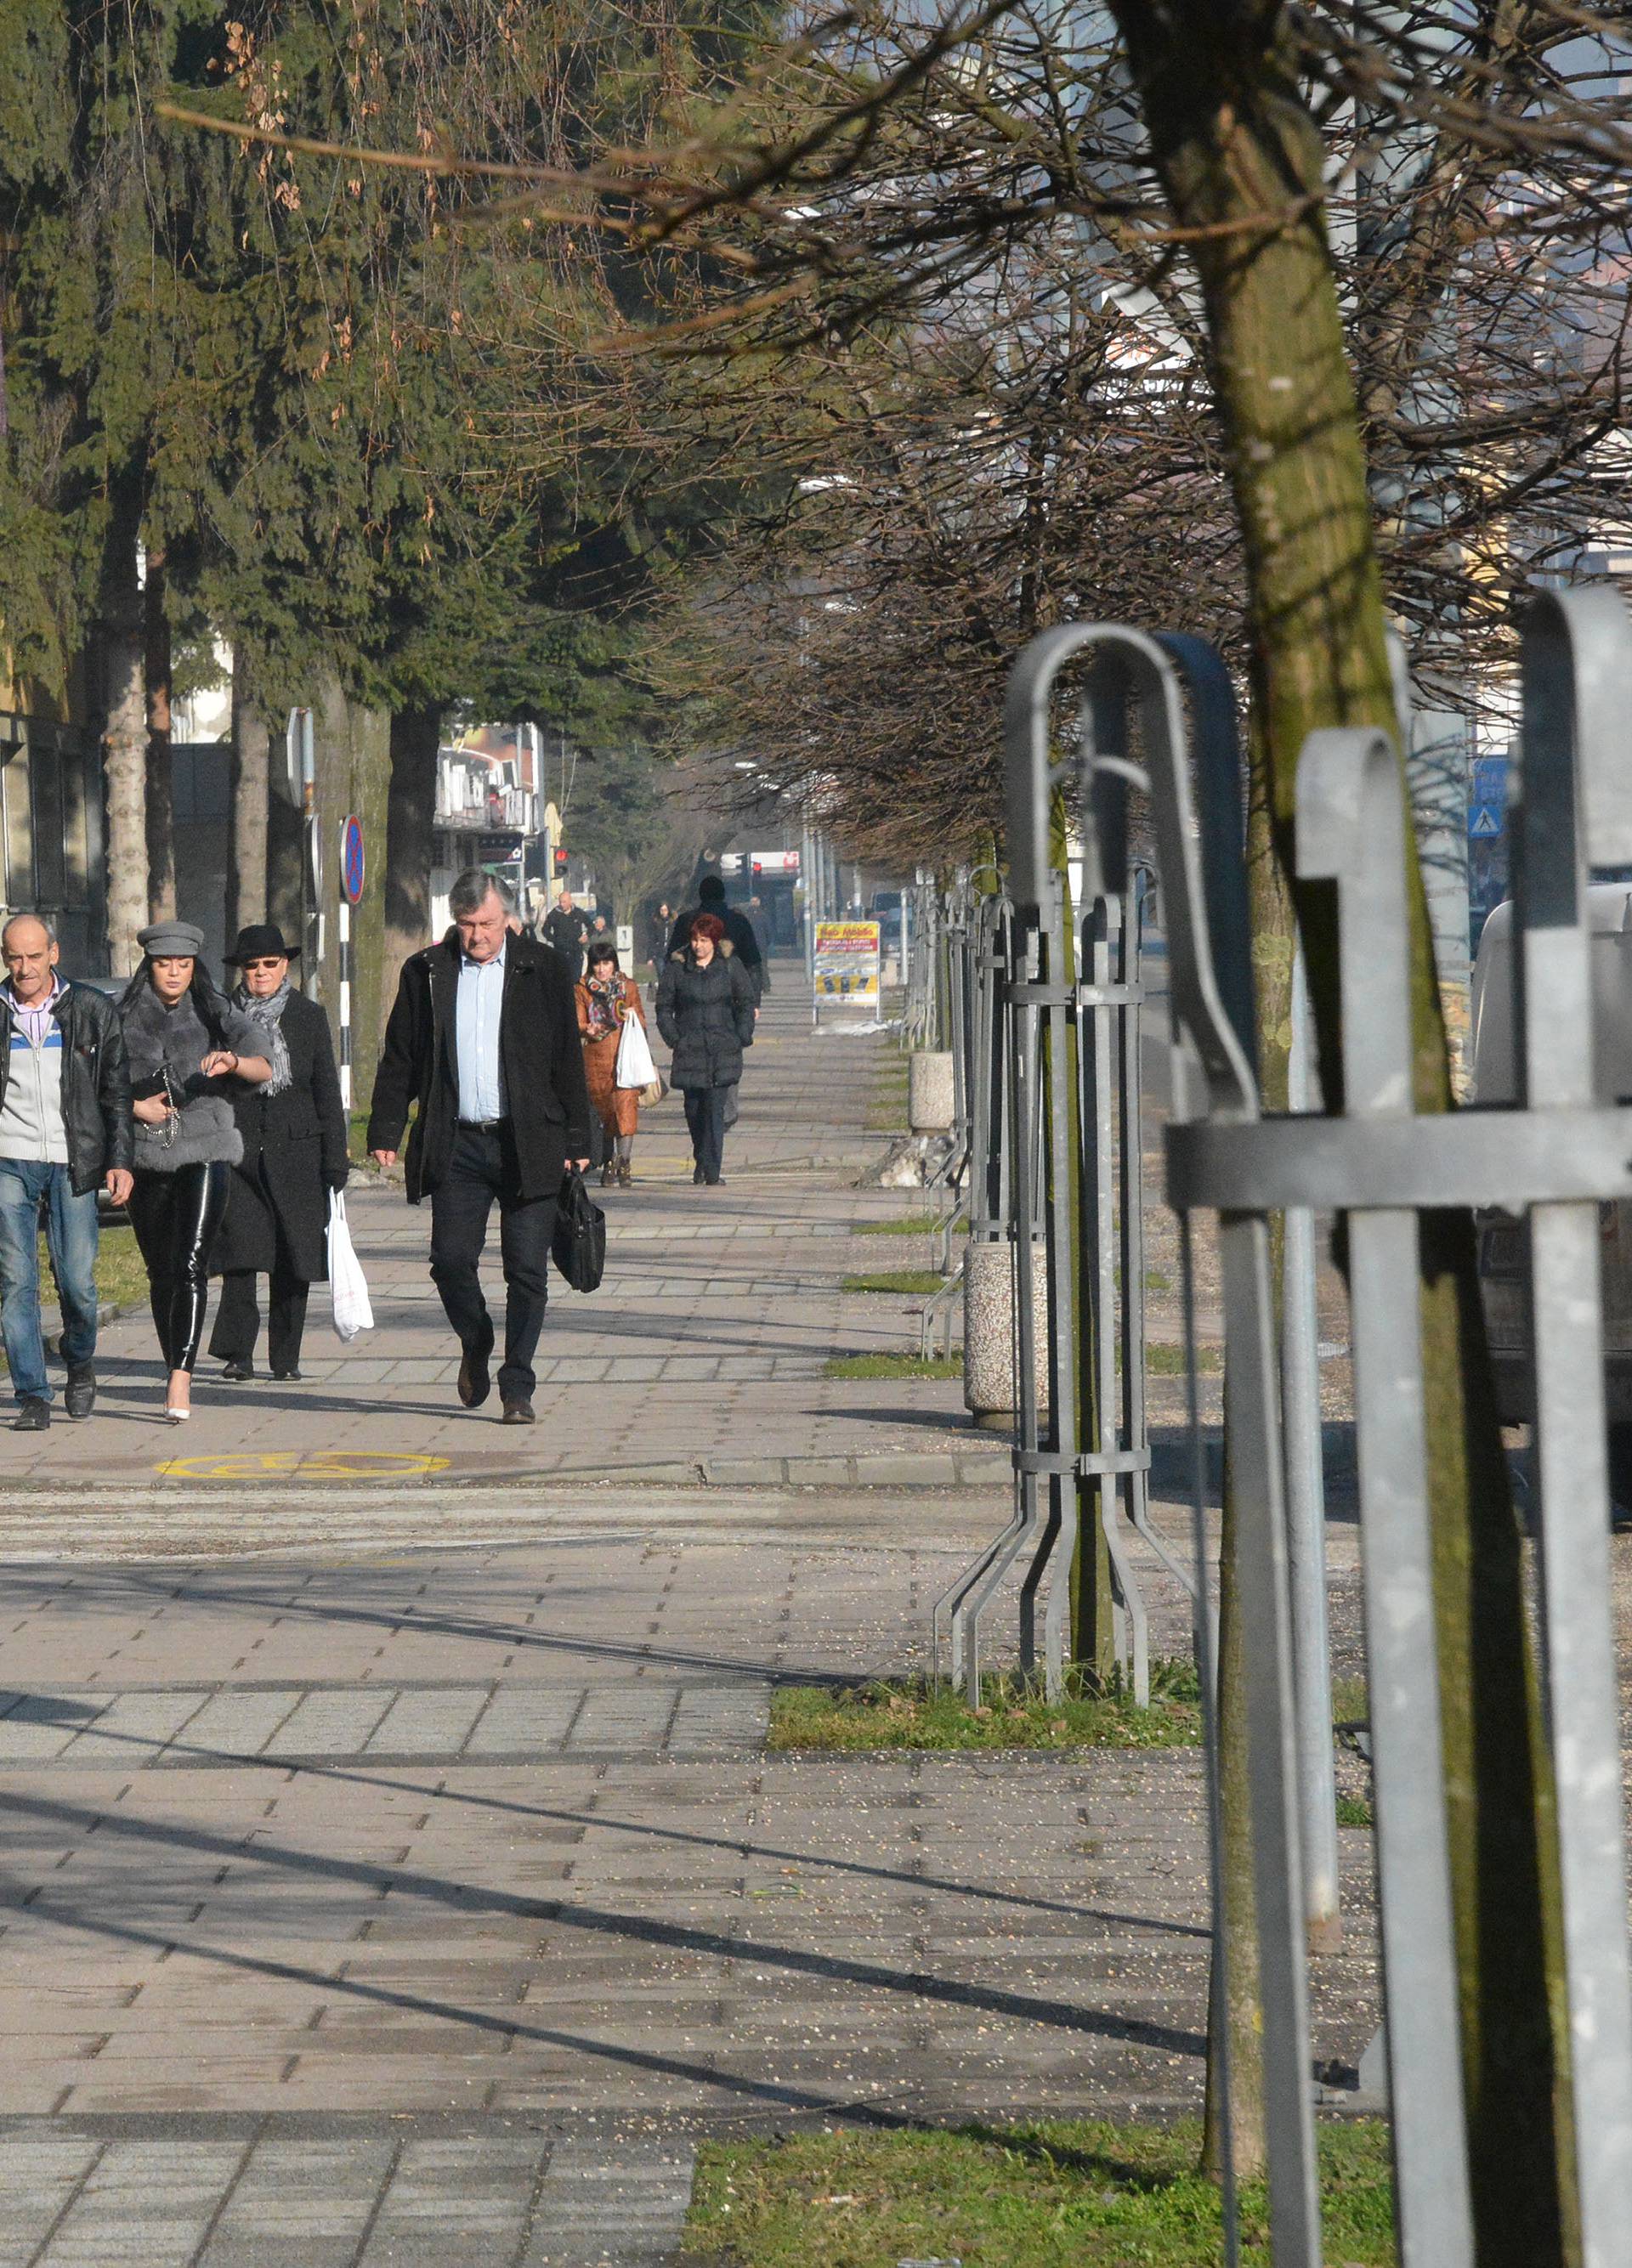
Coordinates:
475	1037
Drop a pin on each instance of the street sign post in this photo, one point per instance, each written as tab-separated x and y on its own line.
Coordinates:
352	870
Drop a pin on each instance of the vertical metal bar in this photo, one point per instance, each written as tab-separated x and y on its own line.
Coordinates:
1098	1210
1251	1393
1306	1554
1206	1642
1064	1319
1351	828
1135	1484
1577	667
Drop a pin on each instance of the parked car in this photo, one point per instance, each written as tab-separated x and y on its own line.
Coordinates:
1503	1245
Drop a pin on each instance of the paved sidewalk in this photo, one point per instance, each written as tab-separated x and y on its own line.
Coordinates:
450	1895
396	1875
707	1341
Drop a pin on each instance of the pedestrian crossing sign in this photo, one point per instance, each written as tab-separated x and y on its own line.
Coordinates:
1484	820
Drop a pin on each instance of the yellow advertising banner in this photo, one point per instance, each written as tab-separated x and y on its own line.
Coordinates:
846	963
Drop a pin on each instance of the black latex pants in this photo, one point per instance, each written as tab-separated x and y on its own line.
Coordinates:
177	1218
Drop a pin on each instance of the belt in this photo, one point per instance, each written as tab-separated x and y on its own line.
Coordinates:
484	1125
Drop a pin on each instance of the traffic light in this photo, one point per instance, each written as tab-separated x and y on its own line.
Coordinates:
560	861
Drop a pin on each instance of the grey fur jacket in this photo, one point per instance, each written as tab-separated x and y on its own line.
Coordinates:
170	1044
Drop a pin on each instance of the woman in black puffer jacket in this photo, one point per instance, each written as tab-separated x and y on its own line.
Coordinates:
706	1012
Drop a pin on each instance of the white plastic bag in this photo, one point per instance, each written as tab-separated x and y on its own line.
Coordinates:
635	1066
348	1287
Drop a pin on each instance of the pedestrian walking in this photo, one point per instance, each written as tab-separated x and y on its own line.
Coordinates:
565	926
658	941
293	1131
606	1000
189	1046
64	1133
736	929
483	1036
706	1013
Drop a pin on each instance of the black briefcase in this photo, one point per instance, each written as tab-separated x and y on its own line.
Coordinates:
579	1244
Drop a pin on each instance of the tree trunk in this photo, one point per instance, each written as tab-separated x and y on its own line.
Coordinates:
246	820
353	769
416	736
160	814
1240	158
1092	1635
284	850
124	736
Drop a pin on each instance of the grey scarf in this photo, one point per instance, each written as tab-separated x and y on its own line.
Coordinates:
269	1015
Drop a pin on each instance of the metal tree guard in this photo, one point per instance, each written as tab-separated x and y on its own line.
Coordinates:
1554	1161
1073	1184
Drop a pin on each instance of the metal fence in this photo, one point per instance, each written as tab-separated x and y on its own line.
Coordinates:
1055	1079
1554	1160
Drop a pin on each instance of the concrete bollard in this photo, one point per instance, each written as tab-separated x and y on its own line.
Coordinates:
989	1330
929	1092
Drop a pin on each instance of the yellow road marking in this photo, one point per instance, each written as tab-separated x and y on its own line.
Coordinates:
326	1464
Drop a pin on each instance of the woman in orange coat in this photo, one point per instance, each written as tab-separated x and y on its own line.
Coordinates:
606	999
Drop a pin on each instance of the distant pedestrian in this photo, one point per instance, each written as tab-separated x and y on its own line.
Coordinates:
606	1000
759	922
294	1136
187	1046
737	930
706	1013
657	938
64	1132
483	1036
565	926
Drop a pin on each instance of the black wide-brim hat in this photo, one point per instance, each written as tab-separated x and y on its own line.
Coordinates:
261	941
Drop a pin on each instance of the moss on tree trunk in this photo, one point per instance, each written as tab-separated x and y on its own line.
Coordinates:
159	814
248	816
1240	156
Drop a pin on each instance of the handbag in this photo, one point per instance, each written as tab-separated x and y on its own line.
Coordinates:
733	1108
579	1245
634	1066
348	1286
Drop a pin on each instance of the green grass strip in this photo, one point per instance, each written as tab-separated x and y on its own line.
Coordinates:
1070	2193
915	1713
895	1280
912	1224
893	1365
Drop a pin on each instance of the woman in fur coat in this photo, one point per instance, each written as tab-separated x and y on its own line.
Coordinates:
606	1000
186	1045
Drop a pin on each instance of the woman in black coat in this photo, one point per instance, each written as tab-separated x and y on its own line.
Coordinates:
294	1156
706	1012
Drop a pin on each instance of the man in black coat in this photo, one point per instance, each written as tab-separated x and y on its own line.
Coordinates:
483	1036
294	1134
565	926
739	930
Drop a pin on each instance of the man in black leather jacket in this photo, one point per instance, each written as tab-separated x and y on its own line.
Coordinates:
66	1131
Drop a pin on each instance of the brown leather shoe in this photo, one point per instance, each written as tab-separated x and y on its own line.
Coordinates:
518	1413
475	1384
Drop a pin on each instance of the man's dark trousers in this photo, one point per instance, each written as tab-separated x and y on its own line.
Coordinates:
482	1167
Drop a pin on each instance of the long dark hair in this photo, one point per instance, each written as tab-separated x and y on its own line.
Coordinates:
203	990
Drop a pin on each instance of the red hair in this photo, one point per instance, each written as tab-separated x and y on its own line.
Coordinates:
708	925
